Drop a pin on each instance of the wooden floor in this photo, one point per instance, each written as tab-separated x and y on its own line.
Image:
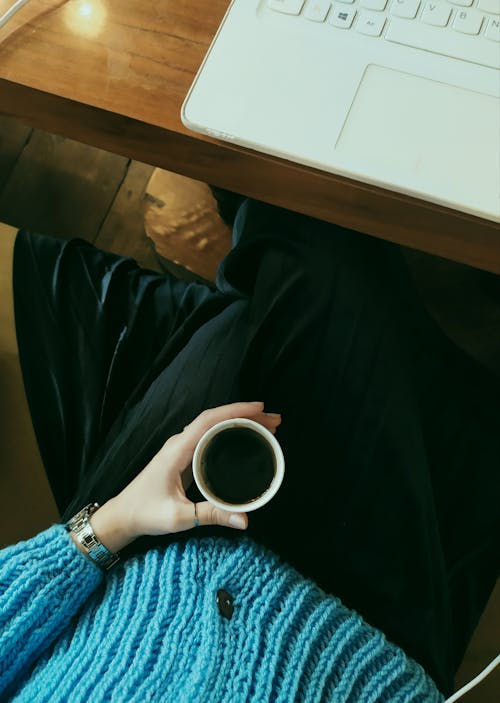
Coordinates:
65	189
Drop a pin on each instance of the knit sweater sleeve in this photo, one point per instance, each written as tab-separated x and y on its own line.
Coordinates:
43	583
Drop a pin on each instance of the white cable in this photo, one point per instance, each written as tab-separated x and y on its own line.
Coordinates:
12	11
458	694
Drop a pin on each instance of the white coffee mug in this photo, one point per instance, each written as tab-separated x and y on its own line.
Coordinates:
199	473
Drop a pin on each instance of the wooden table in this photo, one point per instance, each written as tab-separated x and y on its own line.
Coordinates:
114	73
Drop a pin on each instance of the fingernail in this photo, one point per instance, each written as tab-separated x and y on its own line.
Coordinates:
273	414
257	402
237	521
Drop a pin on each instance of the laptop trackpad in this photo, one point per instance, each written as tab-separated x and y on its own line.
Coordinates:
422	133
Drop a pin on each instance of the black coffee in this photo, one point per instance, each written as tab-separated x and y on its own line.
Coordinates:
238	465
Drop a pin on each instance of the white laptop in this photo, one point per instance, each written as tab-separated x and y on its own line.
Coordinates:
402	94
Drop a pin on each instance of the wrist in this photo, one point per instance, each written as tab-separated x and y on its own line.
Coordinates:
112	526
83	535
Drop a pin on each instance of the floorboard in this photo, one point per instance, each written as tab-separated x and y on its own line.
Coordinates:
13	138
122	231
60	187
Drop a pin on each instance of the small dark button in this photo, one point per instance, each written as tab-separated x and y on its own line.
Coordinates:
225	604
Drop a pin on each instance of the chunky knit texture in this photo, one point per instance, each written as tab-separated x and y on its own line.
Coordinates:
151	631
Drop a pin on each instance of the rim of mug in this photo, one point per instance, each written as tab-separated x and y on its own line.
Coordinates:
273	487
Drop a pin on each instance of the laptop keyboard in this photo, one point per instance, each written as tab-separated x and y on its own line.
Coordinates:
462	29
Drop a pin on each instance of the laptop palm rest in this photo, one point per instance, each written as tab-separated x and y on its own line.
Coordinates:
427	131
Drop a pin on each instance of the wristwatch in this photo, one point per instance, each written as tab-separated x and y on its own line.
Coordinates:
81	528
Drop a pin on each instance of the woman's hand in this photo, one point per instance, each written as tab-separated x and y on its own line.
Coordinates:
155	503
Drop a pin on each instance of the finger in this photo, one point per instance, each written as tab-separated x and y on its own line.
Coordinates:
270	421
208	514
184	444
212	416
209	418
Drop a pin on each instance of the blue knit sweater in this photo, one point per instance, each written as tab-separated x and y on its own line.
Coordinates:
151	630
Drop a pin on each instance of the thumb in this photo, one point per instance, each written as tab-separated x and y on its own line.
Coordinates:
208	514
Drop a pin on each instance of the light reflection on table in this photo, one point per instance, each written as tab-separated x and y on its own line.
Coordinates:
85	17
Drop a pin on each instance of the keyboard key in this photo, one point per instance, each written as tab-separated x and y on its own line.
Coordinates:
492	6
370	24
288	7
347	1
436	13
468	21
405	8
317	10
493	30
462	3
341	16
374	4
433	39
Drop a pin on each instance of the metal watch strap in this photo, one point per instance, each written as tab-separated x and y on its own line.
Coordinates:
80	526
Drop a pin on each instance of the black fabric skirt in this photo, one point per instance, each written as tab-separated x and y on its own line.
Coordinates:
391	434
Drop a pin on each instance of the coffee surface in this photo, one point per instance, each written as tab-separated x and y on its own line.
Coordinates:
238	465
